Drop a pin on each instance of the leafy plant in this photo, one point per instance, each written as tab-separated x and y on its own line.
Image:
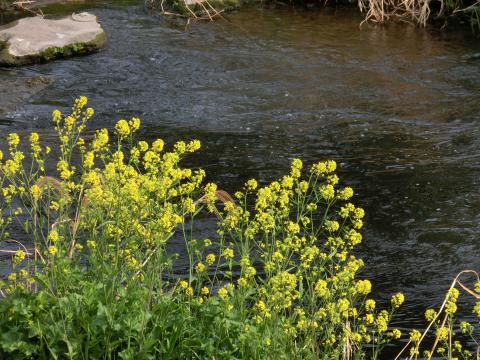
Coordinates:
95	278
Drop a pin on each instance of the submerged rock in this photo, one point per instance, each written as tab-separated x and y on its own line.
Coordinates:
17	91
37	39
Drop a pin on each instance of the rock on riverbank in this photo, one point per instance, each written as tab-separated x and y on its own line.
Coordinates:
37	39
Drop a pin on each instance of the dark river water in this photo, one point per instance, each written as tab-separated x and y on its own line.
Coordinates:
397	107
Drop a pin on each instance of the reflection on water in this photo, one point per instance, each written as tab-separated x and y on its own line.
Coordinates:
396	106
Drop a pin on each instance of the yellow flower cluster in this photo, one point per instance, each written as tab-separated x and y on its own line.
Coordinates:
286	245
133	201
282	290
397	300
300	233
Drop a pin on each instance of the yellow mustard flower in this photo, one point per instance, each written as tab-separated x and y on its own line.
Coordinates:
397	300
223	293
122	128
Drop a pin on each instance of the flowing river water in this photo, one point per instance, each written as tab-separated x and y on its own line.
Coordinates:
396	106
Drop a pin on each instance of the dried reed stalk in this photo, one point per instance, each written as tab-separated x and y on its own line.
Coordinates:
456	281
347	353
381	11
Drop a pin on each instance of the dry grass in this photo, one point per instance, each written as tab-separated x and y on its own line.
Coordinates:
381	11
418	11
376	11
193	10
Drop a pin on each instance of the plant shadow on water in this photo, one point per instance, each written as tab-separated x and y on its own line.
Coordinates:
396	106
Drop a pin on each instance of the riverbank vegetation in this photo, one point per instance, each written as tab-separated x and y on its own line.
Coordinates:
11	10
6	5
420	12
97	277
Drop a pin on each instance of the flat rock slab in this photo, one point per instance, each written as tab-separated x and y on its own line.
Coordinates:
37	39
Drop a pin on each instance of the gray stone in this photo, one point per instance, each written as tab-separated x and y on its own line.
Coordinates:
37	39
